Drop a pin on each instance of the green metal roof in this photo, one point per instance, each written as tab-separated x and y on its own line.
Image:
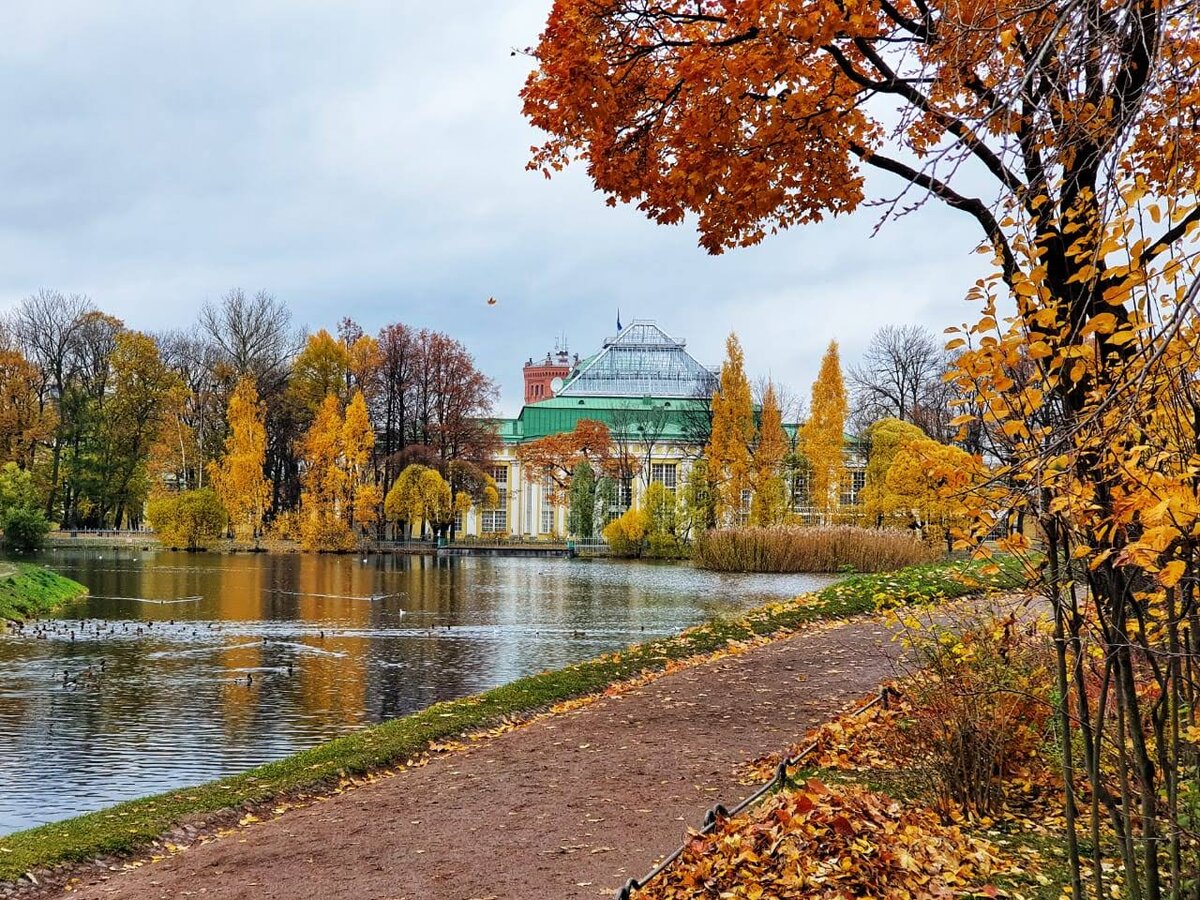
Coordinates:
627	417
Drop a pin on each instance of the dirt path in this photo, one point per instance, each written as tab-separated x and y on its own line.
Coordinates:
569	806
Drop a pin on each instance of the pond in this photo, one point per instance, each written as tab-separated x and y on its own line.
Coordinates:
183	667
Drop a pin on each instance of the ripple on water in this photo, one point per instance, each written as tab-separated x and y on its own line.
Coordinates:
329	644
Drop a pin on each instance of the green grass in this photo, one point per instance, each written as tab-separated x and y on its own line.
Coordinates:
134	824
28	590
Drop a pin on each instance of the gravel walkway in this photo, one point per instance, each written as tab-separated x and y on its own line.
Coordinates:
567	807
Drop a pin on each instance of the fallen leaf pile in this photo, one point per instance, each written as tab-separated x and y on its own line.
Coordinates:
852	742
830	842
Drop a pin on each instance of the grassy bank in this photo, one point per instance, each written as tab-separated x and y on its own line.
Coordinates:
27	590
132	825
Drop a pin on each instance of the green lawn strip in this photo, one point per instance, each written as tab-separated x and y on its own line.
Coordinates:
28	590
128	826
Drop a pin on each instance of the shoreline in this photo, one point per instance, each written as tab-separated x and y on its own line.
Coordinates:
128	827
29	590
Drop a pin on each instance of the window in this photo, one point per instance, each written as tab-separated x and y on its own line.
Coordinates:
547	507
495	519
624	494
744	512
853	481
800	498
664	474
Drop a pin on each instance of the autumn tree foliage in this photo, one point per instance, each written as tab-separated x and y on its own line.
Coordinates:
362	496
885	438
1064	132
554	458
339	498
321	369
25	421
238	477
822	437
769	504
730	463
932	484
420	496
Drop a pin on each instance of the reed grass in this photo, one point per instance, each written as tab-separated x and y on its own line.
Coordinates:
820	548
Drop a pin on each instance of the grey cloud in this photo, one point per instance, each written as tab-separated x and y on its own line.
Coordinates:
367	159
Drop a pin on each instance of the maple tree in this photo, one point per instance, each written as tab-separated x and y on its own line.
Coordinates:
238	477
553	458
1065	132
822	437
728	453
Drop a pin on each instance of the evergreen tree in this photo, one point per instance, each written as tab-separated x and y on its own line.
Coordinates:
581	520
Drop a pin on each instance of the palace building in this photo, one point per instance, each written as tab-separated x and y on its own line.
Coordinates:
654	397
642	383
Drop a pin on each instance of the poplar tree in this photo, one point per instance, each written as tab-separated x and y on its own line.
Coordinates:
770	492
823	435
728	451
238	478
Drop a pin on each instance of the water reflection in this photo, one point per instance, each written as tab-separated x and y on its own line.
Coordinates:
185	667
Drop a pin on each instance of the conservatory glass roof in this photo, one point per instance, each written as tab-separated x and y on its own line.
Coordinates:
642	360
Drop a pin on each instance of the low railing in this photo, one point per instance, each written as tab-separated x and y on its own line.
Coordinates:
719	813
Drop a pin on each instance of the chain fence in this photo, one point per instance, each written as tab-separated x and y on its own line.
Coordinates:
720	813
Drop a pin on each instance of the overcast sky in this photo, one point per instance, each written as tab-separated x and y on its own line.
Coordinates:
367	158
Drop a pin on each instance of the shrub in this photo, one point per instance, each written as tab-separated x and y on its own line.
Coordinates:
976	708
25	528
188	519
664	546
626	534
789	548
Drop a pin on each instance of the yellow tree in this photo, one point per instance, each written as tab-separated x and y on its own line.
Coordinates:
770	492
321	369
823	435
934	484
421	495
238	477
885	437
323	525
728	451
358	439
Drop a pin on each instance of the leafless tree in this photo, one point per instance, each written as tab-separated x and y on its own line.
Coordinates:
46	327
900	375
254	334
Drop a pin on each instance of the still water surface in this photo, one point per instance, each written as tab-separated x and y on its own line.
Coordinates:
185	667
